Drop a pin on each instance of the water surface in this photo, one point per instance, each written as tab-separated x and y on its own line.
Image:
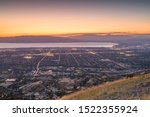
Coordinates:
62	45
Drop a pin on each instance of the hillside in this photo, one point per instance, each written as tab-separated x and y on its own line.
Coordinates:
137	87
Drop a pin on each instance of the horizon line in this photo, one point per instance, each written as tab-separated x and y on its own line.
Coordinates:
74	34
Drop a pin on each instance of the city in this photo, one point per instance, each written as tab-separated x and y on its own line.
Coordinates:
50	73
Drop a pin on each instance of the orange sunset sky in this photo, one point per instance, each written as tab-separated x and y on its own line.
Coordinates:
47	18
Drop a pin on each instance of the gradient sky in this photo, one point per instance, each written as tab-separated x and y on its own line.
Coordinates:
46	17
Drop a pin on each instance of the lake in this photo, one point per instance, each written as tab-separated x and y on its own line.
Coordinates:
61	45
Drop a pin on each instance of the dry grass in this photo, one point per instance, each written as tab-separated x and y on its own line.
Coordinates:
137	87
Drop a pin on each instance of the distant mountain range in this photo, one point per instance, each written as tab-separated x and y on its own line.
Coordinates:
116	38
34	39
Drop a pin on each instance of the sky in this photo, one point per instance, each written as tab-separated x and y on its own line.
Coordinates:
48	17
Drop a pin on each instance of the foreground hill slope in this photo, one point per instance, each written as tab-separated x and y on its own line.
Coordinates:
137	87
